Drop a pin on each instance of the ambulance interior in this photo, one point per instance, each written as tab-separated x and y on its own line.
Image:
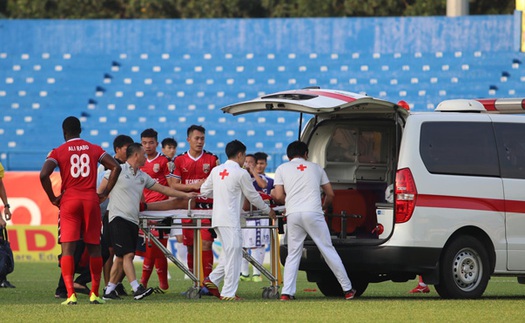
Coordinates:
358	157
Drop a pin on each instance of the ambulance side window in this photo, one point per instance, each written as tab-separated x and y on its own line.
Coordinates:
511	149
459	148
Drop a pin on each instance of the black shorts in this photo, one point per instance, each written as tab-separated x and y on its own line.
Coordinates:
105	228
105	240
124	235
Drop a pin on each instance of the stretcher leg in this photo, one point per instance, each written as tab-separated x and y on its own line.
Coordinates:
168	254
197	255
275	254
274	275
194	291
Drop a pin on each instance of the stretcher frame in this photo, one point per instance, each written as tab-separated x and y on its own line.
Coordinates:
274	275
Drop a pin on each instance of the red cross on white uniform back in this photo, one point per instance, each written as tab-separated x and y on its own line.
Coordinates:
301	167
224	173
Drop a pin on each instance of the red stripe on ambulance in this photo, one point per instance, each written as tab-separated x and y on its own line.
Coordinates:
460	202
470	203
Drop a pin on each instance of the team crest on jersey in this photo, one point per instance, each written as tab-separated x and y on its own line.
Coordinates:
206	168
156	168
171	166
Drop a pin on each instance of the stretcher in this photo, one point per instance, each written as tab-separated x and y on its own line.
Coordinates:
150	220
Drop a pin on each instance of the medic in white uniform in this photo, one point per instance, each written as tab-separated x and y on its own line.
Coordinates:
297	185
228	184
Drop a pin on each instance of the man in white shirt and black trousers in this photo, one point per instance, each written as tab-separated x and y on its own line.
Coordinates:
228	184
296	185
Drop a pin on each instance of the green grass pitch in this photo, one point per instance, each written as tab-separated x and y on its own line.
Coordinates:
33	301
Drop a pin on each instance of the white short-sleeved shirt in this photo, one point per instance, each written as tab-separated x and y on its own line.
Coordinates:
301	180
126	194
227	184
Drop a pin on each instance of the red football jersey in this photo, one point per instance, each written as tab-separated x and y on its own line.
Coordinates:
189	170
158	169
78	161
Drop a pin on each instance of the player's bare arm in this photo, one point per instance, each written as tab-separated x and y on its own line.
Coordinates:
177	185
172	192
3	195
171	204
278	194
111	164
272	214
100	189
45	173
102	186
261	182
329	195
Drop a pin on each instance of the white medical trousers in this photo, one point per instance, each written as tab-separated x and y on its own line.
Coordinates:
298	225
229	266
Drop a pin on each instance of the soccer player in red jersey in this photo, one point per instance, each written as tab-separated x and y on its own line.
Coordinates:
169	149
191	167
157	166
78	202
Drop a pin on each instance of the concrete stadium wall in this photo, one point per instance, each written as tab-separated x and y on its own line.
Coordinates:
320	35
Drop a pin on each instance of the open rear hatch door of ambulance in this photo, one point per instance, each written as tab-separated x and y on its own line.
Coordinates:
365	117
313	101
323	104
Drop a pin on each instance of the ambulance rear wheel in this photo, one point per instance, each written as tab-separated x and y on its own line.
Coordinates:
464	269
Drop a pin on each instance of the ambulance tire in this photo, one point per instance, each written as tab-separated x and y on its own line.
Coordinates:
464	269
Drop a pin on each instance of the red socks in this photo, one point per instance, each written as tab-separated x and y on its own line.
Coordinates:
207	261
161	263
154	257
147	268
67	267
95	266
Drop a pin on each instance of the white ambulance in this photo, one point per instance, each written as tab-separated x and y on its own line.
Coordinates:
456	214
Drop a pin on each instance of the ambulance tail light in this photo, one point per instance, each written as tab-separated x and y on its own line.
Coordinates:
405	195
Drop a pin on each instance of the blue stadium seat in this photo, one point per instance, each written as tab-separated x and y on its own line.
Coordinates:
128	92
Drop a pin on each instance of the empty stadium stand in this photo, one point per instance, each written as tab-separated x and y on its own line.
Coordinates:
128	90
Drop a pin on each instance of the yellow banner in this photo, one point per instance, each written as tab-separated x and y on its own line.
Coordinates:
34	243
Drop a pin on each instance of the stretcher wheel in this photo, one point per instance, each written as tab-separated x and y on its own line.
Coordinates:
193	293
271	292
